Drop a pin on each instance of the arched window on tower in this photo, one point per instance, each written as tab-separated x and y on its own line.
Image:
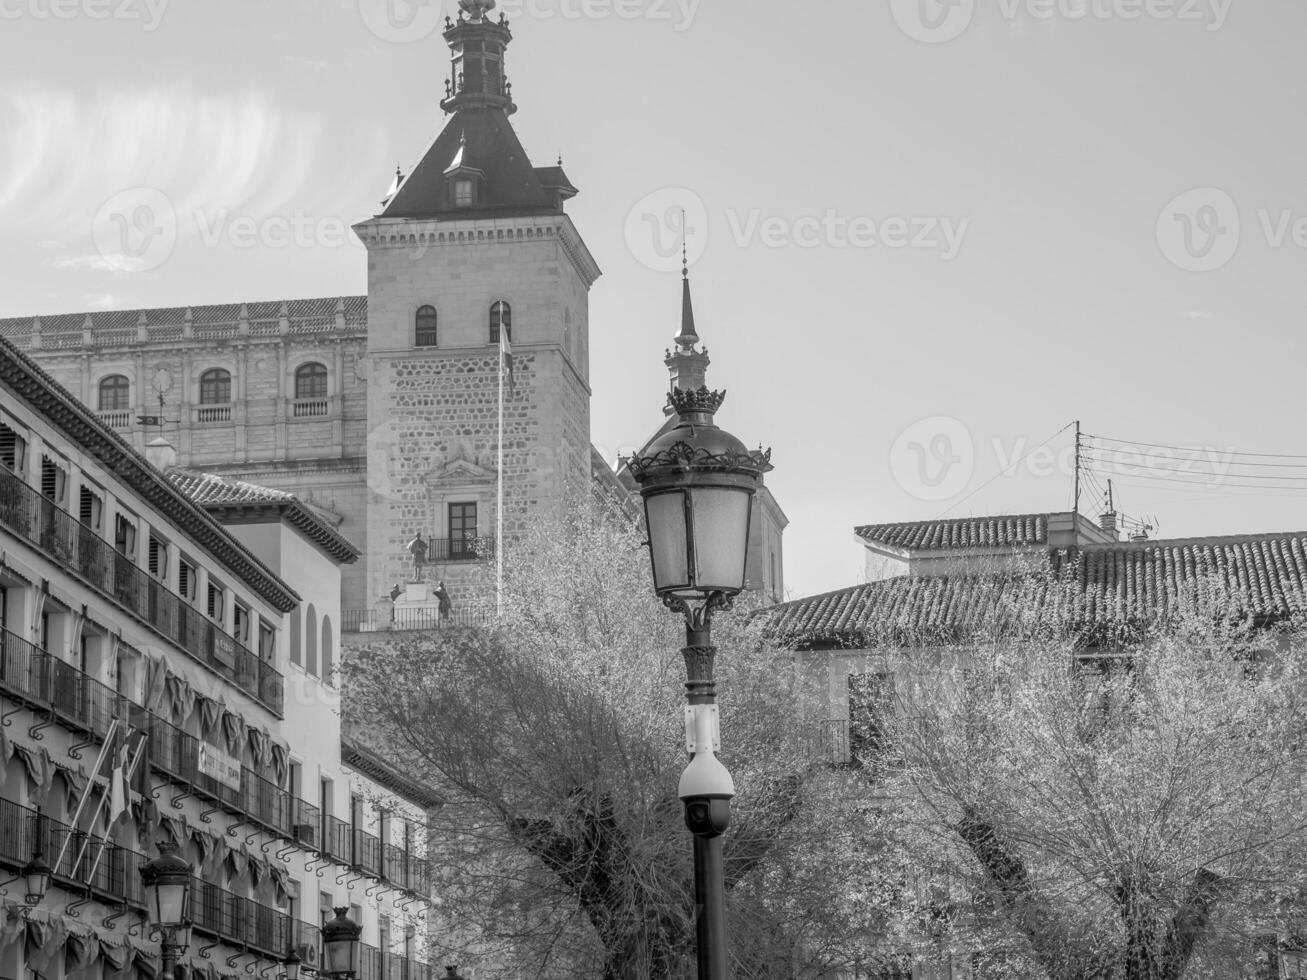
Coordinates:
311	381
424	327
501	318
115	393
215	387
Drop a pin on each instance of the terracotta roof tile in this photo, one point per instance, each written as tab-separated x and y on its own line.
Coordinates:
1123	585
959	533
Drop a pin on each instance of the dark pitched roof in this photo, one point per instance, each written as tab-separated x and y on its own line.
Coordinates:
49	398
1117	586
509	182
228	499
959	533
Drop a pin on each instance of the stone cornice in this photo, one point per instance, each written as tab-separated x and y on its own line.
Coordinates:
419	233
85	430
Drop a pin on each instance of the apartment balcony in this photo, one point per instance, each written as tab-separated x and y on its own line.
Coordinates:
58	692
82	551
443	550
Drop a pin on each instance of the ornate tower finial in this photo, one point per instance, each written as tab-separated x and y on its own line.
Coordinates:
686	362
477	76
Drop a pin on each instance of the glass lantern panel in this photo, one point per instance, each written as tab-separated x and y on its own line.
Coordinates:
665	513
172	903
721	537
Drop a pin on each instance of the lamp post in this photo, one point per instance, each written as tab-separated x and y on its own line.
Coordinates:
36	878
167	881
698	483
340	946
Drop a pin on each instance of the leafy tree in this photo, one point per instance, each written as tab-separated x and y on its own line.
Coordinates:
1095	805
557	738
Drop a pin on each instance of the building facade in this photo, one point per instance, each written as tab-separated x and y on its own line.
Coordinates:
382	412
186	627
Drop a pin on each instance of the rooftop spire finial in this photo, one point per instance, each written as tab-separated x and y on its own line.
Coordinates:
688	336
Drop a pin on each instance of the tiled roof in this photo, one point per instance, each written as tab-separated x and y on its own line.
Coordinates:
959	533
165	323
219	495
1107	587
25	378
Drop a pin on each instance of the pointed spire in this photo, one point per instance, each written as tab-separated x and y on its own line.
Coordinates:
687	337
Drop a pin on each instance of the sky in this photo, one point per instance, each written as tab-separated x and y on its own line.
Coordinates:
927	236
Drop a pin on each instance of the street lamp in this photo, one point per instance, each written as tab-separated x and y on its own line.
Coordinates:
698	483
167	881
340	946
36	876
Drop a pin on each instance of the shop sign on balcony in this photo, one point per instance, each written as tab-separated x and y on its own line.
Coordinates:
216	763
224	649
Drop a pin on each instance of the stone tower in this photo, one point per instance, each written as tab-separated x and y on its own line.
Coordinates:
474	242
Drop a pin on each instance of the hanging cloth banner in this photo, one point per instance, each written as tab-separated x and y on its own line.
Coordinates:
238	862
233	730
183	698
40	773
211	710
279	762
156	681
14	925
45	940
117	960
80	953
75	781
260	748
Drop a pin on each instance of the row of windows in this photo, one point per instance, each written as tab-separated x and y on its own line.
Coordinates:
425	333
215	387
160	555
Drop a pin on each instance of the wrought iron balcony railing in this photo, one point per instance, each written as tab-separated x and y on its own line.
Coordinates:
402	620
81	550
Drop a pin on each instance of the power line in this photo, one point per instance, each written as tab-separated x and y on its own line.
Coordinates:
1224	455
1162	472
1007	469
1183	449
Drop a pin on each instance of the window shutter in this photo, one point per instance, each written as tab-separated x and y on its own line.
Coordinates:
158	558
13	449
186	580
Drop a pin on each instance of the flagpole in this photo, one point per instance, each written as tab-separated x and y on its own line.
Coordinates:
499	504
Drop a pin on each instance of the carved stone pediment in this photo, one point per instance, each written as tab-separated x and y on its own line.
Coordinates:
460	472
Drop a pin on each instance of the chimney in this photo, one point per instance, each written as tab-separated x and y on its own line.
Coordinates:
161	454
1107	522
1140	535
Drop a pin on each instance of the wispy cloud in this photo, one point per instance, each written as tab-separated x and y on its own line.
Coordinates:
64	156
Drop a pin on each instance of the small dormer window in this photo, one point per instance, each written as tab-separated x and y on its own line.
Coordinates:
464	193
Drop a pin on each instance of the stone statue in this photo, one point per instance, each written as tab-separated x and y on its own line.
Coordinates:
446	604
418	549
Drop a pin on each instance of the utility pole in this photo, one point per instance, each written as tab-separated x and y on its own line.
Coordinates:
1075	506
